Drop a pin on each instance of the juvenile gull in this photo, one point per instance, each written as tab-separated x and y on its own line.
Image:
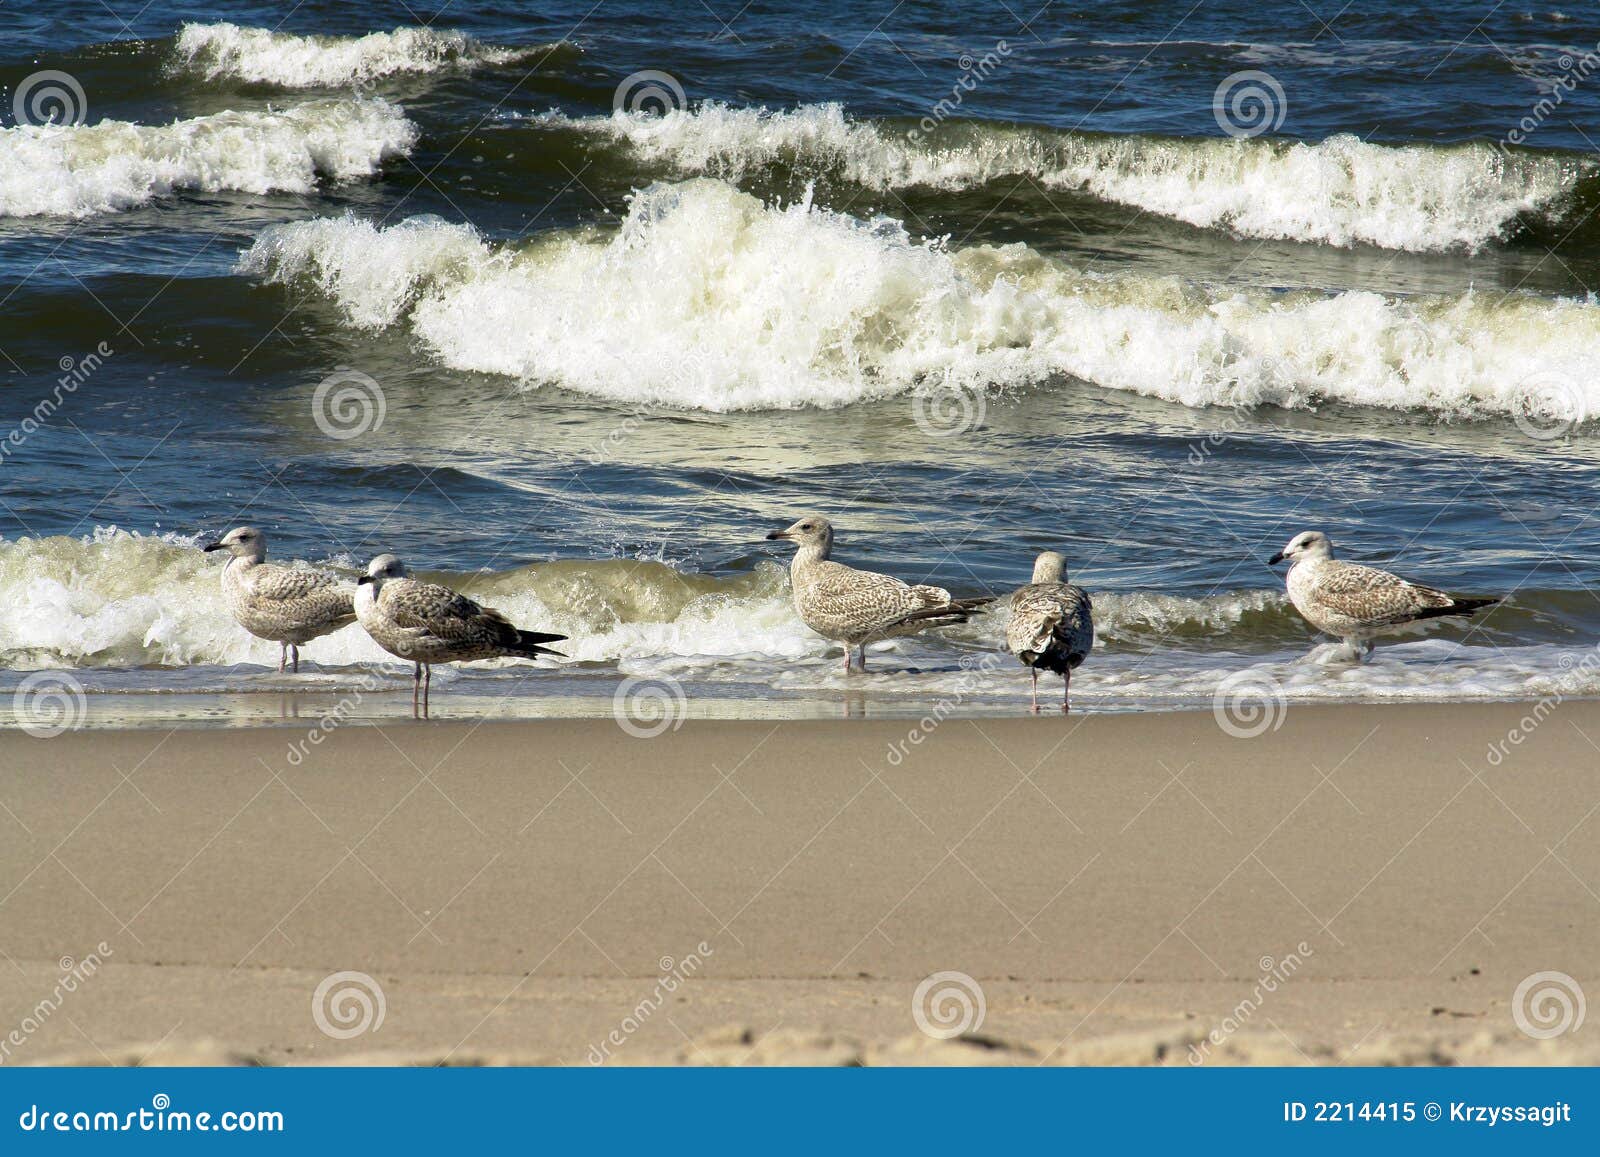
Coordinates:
425	624
288	605
857	607
1356	602
1051	624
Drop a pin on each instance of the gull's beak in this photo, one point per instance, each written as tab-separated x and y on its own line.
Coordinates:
1275	559
363	580
779	534
211	546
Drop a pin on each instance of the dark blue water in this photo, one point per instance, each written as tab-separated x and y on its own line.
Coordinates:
1154	284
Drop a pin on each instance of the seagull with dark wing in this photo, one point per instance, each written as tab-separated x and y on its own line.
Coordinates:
857	607
425	623
286	605
1051	625
1356	603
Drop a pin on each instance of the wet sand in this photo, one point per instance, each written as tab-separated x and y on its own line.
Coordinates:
1360	885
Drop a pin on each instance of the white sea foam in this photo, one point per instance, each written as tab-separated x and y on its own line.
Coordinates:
708	299
261	56
146	604
76	171
1340	191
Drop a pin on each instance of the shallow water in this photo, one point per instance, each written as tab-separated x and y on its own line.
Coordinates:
445	299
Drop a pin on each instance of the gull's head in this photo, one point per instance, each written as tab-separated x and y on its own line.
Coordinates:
241	542
381	569
810	532
1050	567
1308	544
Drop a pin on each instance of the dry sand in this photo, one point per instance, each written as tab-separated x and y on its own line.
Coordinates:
1115	886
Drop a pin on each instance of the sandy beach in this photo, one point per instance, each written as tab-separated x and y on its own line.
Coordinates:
1362	885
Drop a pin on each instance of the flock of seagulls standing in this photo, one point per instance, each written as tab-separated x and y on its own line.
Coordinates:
1050	628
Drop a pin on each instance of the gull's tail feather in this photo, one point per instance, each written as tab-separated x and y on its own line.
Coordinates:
528	644
1457	607
955	611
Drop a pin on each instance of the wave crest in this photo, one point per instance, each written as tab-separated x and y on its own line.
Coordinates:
708	299
1341	191
80	170
260	56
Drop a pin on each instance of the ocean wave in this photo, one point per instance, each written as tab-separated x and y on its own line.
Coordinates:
261	56
706	298
1341	191
79	170
120	598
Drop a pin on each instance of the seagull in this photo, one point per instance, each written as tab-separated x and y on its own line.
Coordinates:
1355	602
425	624
287	605
857	607
1051	624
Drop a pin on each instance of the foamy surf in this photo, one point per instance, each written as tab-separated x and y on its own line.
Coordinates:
137	613
706	298
261	56
80	170
1340	191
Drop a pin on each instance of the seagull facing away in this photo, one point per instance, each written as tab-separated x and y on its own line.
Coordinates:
857	607
1051	624
1356	602
287	605
425	624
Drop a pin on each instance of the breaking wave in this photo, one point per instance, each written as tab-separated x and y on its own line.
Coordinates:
1340	191
80	170
708	299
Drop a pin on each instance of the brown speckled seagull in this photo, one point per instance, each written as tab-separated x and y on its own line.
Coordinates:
1051	624
425	623
1356	603
286	605
857	607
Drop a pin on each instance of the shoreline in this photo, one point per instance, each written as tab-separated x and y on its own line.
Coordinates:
1112	887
